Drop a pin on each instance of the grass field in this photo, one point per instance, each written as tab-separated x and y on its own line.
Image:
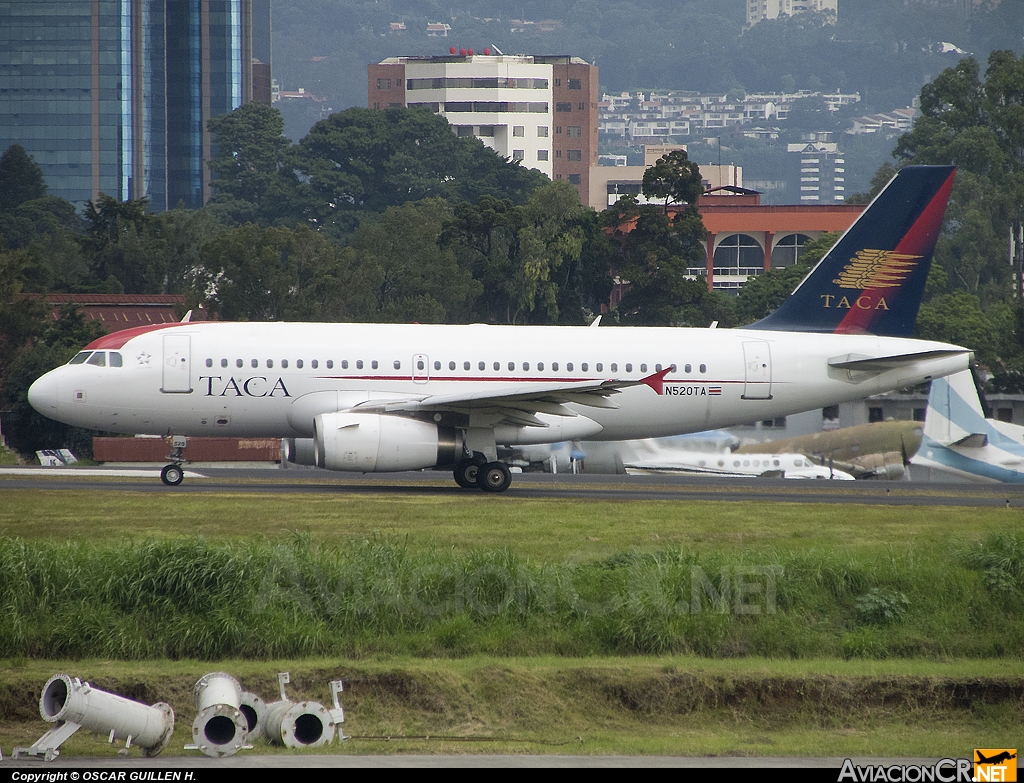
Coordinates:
643	627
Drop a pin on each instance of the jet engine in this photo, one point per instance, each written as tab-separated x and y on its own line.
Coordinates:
369	442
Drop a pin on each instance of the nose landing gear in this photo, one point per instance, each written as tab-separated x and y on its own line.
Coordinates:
172	475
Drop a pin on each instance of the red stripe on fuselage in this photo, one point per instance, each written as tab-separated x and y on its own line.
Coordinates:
918	241
118	339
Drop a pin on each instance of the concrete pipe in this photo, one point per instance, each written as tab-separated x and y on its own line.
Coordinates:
220	728
72	704
303	724
255	711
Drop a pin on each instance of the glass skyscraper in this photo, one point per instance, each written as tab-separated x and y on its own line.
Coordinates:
113	96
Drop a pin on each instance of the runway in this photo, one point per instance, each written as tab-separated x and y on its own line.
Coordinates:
248	480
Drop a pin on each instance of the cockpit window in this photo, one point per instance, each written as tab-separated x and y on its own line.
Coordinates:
115	359
81	357
98	359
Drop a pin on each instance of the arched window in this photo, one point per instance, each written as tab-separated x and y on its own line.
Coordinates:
788	249
739	254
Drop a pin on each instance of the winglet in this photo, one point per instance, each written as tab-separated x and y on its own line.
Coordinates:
657	381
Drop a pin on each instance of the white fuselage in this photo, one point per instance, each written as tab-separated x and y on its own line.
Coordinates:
271	379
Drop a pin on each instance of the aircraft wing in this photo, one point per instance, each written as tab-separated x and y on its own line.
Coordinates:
519	402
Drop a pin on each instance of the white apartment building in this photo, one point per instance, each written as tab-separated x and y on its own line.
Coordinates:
536	109
758	10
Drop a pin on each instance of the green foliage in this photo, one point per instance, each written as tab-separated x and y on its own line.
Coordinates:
957	318
674	178
1000	559
763	294
361	160
880	606
254	176
188	598
21	179
25	430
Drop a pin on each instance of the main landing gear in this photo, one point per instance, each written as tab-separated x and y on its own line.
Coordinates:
488	476
172	475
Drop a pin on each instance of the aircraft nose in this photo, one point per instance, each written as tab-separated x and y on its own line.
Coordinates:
42	395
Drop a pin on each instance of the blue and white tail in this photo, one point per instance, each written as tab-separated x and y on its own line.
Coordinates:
958	439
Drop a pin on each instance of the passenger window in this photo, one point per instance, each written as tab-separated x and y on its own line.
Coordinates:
554	366
585	367
298	363
481	365
703	368
657	368
686	368
615	367
314	364
373	364
255	362
673	368
629	368
643	368
526	366
359	364
115	359
284	364
599	366
398	365
330	364
209	362
223	362
344	364
465	365
80	358
497	365
238	362
511	365
98	359
451	365
270	364
419	364
569	366
437	365
540	365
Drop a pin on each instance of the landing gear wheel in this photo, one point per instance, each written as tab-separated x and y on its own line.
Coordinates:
172	475
494	477
466	473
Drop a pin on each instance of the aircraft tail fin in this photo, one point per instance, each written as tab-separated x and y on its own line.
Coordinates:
955	415
872	280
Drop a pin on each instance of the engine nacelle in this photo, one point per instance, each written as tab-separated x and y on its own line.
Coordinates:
369	442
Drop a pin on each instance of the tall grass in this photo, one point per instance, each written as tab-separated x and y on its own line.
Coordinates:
188	598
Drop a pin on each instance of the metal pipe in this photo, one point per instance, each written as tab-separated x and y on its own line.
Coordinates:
71	704
304	724
255	711
220	728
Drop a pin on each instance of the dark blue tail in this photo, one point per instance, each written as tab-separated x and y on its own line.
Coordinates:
872	279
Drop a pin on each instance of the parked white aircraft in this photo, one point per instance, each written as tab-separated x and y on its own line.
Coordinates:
672	455
386	397
958	439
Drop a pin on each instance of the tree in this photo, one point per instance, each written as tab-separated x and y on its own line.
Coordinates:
254	175
21	179
25	430
674	178
653	257
362	160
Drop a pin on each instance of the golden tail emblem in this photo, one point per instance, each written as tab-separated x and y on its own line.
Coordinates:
870	269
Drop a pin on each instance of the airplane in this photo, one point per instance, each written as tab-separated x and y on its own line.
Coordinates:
392	397
958	439
708	455
880	450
